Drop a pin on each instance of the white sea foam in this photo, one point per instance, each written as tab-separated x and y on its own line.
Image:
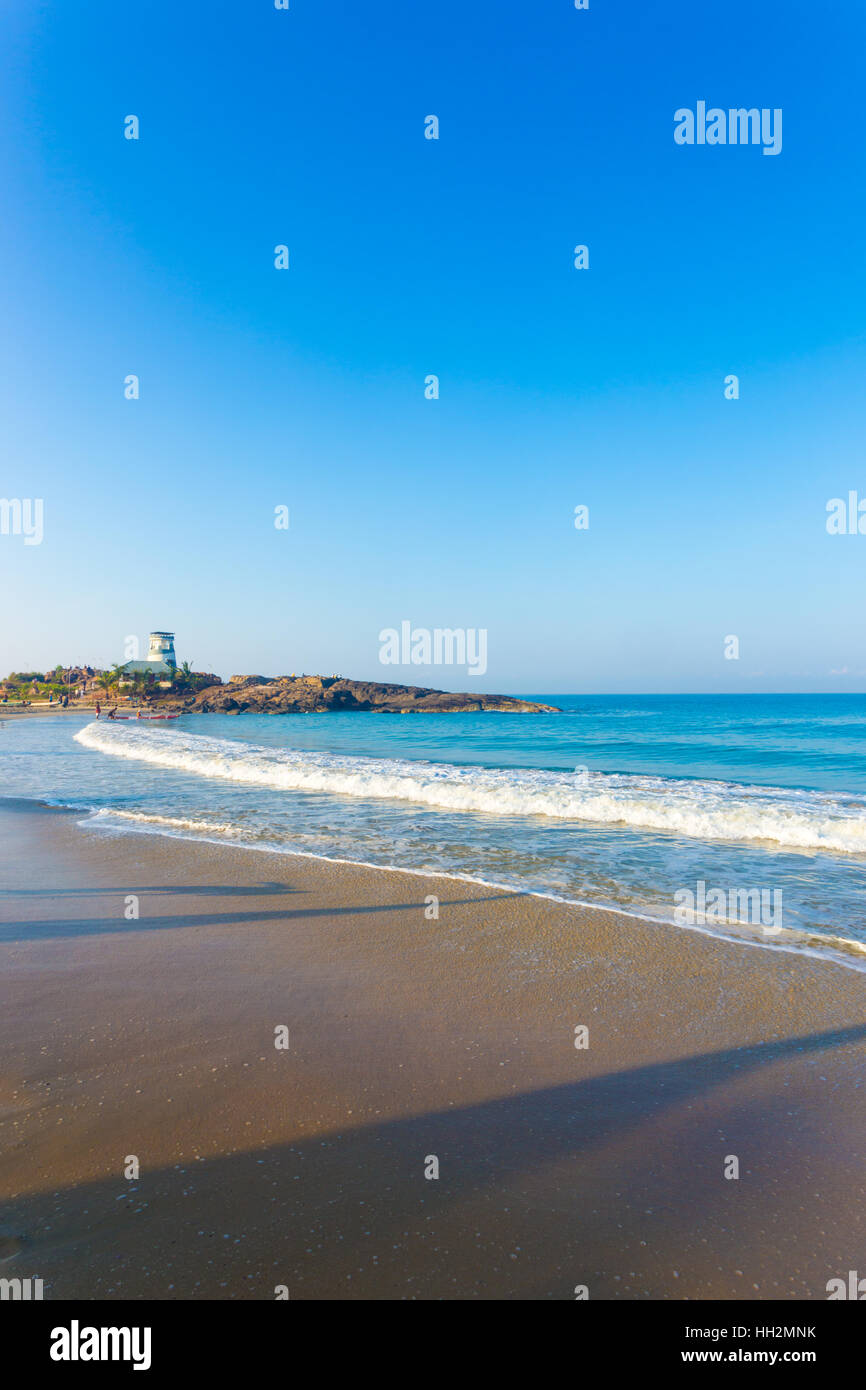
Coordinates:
171	822
840	950
701	810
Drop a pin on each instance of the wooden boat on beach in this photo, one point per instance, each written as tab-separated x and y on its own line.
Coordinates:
135	718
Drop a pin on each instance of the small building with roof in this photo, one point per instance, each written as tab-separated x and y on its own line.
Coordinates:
160	662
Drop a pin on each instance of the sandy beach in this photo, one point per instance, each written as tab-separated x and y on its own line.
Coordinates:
410	1038
39	710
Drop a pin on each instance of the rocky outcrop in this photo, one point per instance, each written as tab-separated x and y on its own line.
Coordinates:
321	694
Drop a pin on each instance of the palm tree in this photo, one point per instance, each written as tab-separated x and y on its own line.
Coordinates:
183	676
109	680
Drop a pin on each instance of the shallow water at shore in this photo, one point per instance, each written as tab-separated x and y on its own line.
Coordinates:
621	804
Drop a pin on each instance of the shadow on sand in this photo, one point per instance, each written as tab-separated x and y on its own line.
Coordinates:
615	1181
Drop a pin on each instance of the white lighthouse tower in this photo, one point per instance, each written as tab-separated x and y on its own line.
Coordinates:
161	649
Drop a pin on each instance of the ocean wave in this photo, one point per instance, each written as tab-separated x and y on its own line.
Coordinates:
699	810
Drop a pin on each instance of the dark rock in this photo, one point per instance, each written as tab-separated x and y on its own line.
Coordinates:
317	694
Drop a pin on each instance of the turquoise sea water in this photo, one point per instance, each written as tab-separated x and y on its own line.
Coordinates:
620	802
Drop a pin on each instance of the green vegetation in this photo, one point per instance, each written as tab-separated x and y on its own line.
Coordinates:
143	686
35	685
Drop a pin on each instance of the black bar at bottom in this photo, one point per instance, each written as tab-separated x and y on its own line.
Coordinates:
230	1338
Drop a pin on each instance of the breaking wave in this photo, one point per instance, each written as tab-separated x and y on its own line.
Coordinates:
707	810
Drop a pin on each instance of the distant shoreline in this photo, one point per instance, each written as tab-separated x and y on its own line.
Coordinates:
296	695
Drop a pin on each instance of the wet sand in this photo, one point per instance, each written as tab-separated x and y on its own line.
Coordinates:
410	1039
42	711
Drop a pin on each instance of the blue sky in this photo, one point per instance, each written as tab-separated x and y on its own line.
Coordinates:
409	257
